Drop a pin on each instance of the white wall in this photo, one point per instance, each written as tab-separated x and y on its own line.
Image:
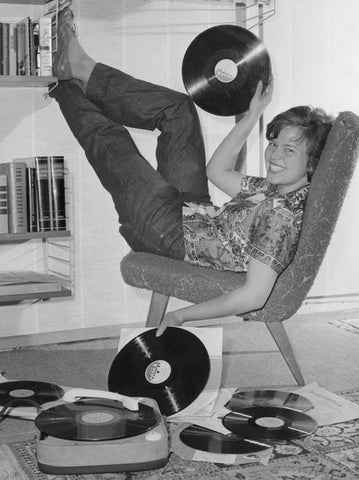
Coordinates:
314	61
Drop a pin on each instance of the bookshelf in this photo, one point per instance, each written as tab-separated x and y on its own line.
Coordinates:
52	248
54	254
7	81
25	2
26	81
23	237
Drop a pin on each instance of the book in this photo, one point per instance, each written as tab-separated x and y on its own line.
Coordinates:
45	46
16	188
31	200
12	49
20	49
57	188
36	42
43	194
1	53
4	226
5	48
26	282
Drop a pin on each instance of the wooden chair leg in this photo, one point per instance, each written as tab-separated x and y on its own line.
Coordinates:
281	339
157	309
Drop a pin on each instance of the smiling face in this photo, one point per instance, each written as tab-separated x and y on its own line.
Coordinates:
286	160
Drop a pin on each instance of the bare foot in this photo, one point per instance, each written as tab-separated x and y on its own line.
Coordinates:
71	60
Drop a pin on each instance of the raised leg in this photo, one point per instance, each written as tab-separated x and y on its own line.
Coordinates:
157	309
281	339
136	103
149	209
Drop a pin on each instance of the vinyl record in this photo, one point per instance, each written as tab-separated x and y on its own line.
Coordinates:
269	423
25	393
222	67
200	438
95	420
172	369
268	398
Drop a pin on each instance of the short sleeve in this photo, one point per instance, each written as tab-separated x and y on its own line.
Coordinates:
274	238
252	184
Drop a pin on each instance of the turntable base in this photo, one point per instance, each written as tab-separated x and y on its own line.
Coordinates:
146	451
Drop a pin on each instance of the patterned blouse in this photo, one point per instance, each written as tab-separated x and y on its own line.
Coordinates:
258	223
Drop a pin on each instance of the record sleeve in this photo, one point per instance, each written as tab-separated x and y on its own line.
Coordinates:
196	443
173	369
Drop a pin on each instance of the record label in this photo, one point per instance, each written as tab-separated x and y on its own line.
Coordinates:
172	369
158	372
21	393
269	423
226	70
221	69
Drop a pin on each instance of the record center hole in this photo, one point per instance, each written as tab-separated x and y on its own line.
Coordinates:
226	70
21	393
158	372
269	422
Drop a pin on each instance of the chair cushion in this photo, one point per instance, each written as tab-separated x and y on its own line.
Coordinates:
177	278
326	195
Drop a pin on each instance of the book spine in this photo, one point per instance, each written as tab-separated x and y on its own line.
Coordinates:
57	185
5	48
28	60
45	46
31	47
16	186
31	200
43	194
1	51
4	219
20	49
12	49
35	34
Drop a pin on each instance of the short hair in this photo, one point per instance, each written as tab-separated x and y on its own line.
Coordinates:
315	124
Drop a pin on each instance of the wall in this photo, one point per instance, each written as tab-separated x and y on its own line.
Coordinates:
313	62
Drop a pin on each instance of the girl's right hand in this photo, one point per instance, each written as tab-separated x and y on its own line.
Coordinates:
261	99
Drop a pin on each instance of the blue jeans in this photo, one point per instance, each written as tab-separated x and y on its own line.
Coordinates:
148	201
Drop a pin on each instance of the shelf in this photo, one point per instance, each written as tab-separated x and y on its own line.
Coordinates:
28	296
26	2
22	237
25	81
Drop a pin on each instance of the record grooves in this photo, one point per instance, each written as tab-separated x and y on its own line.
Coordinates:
173	369
268	398
222	67
200	438
269	423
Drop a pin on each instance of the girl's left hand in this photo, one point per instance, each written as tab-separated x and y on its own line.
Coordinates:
169	320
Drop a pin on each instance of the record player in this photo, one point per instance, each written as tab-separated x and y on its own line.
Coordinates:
101	435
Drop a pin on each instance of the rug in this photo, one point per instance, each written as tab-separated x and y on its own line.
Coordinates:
331	453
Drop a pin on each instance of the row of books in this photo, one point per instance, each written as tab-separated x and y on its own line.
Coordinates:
27	47
33	195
